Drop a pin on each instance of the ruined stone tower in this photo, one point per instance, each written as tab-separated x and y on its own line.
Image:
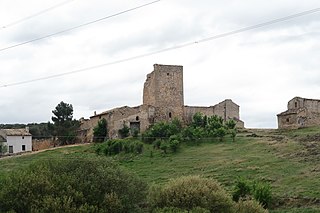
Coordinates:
163	90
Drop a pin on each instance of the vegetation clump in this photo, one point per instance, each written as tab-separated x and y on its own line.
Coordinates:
198	195
117	146
100	131
260	191
72	185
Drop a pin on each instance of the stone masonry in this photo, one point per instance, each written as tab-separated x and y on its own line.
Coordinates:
302	112
163	100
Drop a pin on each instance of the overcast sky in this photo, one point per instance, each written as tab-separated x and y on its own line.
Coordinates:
260	70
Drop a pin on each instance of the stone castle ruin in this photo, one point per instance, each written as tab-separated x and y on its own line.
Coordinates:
163	100
302	112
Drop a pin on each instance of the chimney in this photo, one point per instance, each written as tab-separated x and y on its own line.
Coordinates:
27	129
95	113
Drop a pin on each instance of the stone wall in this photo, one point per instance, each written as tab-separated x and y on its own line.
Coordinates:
140	116
226	109
40	144
163	89
163	100
191	110
301	112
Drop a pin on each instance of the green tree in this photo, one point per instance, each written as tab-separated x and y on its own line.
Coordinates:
100	131
64	126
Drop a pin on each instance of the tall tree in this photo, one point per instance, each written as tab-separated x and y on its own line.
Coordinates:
64	126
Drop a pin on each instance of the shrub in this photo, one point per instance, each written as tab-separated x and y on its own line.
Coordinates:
135	132
72	185
164	147
124	131
100	131
157	143
162	130
188	193
249	206
243	188
174	145
116	146
177	210
260	191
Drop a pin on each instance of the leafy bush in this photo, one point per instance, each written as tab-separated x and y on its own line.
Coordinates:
260	191
157	143
162	130
242	188
124	132
188	193
100	131
72	185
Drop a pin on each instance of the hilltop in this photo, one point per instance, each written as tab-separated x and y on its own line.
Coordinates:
289	160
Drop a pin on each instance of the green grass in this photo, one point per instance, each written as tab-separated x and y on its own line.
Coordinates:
278	157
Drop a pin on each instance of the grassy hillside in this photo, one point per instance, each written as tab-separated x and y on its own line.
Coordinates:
288	160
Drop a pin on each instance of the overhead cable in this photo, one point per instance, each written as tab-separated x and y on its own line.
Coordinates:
76	27
179	46
35	14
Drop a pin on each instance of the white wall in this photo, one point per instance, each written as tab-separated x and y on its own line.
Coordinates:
18	141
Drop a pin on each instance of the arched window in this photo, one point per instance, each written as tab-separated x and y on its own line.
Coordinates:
170	114
137	118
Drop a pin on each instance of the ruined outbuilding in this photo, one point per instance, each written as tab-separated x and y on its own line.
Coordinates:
302	112
163	100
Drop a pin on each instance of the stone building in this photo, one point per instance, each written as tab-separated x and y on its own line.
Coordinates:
302	112
163	100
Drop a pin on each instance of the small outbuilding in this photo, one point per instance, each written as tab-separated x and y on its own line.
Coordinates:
16	140
301	112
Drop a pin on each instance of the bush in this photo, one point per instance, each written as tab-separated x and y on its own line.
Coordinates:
249	206
177	210
242	189
260	191
124	132
162	130
188	193
100	131
72	185
117	146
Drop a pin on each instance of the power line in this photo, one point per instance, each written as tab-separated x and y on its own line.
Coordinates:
79	26
179	46
35	14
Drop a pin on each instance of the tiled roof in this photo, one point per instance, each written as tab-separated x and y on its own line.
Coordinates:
15	132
